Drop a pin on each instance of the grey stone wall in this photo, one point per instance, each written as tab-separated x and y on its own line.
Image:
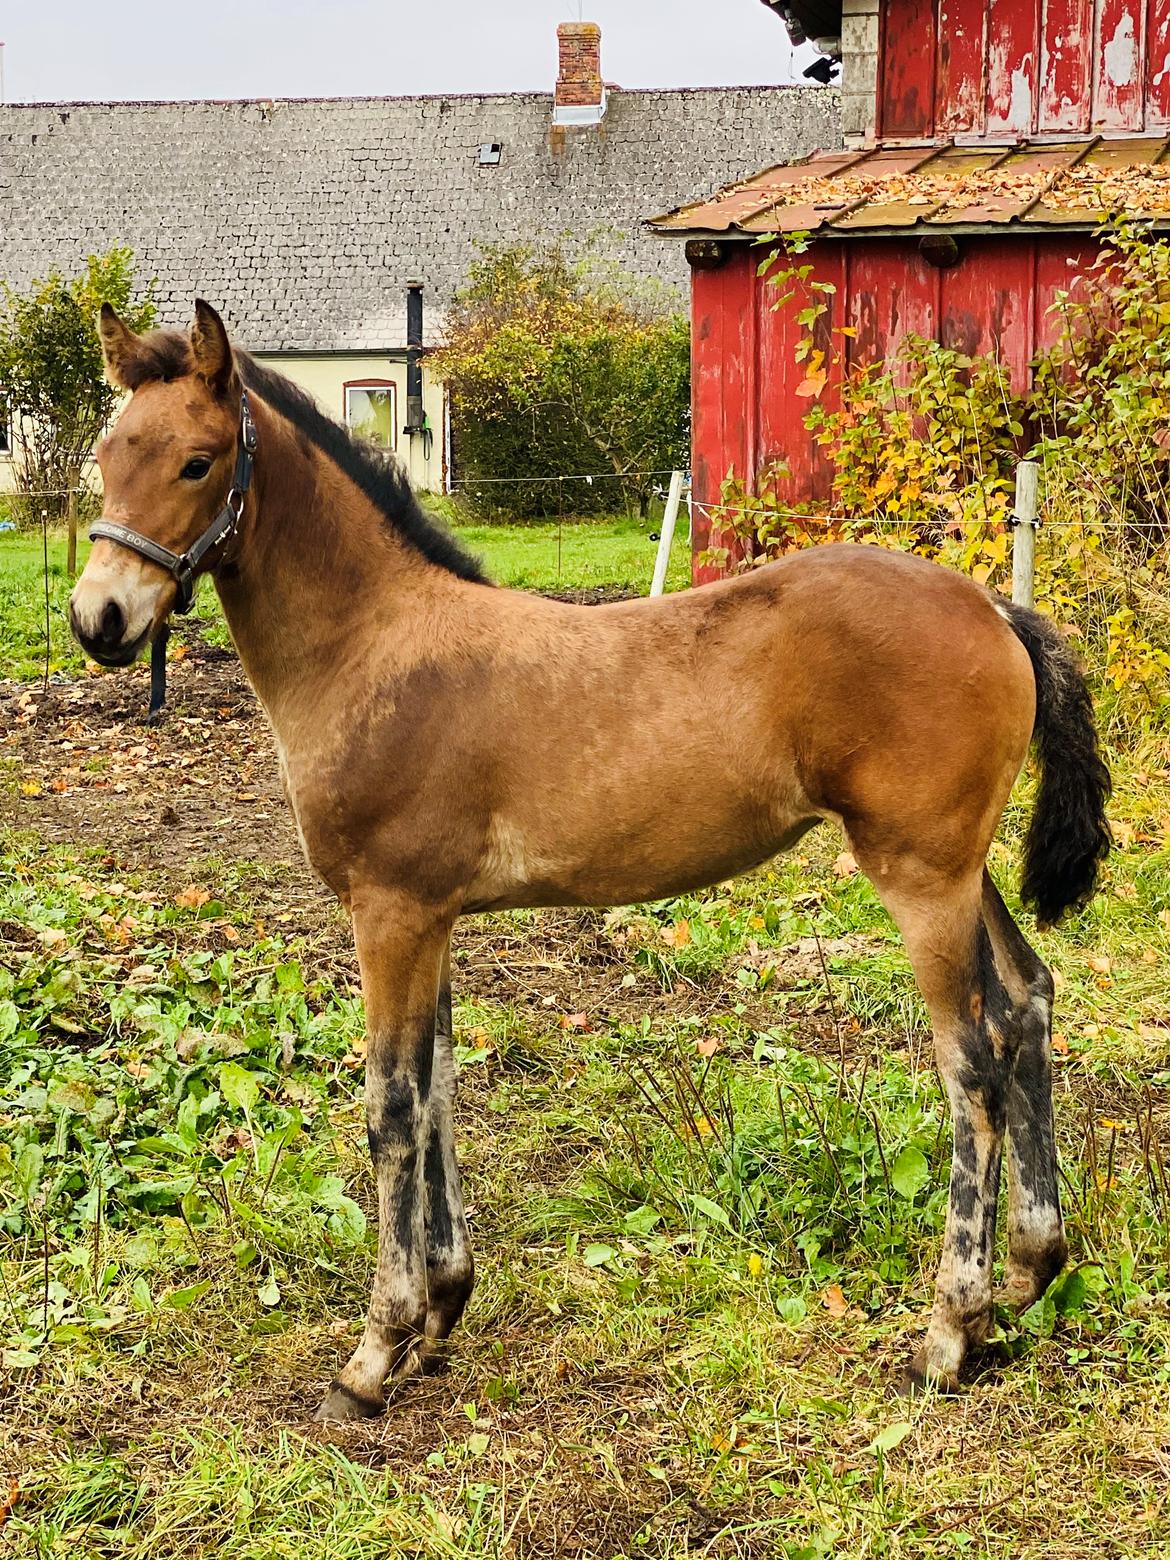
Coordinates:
304	220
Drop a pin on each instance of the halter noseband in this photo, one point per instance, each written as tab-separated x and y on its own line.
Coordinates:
182	567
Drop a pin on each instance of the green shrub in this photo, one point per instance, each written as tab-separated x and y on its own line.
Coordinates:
558	371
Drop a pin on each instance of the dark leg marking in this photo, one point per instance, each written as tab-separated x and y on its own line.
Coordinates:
977	1054
1037	1249
450	1267
440	1231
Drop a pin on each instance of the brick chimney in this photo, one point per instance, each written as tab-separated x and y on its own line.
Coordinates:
580	96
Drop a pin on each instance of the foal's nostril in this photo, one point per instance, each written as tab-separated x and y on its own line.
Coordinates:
113	624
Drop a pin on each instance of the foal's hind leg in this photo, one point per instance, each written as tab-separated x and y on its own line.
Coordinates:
1036	1245
975	1038
450	1267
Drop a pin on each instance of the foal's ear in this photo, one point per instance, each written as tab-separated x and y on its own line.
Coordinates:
211	348
119	347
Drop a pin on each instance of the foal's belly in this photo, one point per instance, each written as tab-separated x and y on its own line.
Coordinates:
517	875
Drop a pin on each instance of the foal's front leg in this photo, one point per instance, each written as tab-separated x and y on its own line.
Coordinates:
401	945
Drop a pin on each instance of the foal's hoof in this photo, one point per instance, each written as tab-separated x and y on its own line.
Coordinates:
1026	1282
343	1405
919	1378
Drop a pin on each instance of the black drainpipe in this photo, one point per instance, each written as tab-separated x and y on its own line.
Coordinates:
414	341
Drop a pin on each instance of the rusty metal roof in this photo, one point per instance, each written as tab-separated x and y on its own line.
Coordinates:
947	189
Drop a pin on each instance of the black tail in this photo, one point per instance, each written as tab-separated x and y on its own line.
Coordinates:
1069	834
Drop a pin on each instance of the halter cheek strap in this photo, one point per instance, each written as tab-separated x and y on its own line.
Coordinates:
184	567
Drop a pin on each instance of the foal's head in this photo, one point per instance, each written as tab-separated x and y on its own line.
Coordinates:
166	466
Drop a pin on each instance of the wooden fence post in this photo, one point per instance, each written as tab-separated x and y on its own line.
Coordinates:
666	537
1024	523
71	522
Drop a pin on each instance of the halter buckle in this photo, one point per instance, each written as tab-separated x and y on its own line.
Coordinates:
247	425
184	576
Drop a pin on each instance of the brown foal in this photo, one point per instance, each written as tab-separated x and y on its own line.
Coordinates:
448	747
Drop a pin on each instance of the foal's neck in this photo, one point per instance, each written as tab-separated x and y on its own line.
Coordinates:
315	562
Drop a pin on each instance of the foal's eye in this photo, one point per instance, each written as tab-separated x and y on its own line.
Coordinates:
195	470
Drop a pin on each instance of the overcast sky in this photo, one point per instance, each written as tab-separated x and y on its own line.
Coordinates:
60	50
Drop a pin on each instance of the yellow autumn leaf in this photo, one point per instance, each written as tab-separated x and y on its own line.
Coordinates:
678	935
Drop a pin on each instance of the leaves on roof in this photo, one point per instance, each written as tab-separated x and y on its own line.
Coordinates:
1099	184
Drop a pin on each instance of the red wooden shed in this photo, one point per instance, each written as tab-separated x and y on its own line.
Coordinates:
985	143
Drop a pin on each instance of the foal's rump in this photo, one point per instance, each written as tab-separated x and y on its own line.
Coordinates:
913	702
917	696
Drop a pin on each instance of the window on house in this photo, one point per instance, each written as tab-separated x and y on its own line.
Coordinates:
371	411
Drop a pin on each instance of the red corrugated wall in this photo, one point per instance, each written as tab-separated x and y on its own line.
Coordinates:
1015	68
747	413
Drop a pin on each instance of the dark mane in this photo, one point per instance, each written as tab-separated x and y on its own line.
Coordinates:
383	481
166	354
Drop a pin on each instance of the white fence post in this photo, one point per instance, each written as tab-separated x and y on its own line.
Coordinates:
669	518
1025	521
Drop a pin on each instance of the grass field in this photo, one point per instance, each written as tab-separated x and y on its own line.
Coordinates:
705	1153
609	554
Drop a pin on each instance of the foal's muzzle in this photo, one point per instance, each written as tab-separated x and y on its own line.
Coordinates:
107	644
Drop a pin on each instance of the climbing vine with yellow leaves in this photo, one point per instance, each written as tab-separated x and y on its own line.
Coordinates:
923	450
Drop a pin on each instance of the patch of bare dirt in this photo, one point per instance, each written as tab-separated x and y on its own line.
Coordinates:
591	595
202	783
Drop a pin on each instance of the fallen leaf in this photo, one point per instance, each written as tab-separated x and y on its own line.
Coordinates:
834	1301
1100	965
728	1442
8	1504
708	1047
676	936
192	897
845	865
575	1021
891	1436
1060	1045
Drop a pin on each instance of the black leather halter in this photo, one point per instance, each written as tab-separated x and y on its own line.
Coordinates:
184	567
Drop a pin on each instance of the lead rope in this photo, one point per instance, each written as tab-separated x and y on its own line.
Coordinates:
158	675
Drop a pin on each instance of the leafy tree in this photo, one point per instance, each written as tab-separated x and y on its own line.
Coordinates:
56	395
558	369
